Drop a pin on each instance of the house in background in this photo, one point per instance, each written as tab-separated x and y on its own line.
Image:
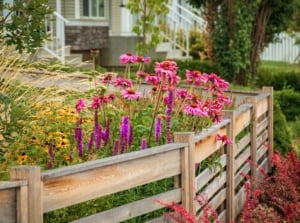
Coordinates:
82	25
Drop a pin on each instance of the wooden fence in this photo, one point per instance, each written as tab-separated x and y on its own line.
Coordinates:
30	193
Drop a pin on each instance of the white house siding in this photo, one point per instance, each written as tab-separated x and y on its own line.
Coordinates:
285	50
68	9
115	18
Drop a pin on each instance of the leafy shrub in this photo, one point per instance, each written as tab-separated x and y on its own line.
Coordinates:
289	101
282	134
279	79
271	200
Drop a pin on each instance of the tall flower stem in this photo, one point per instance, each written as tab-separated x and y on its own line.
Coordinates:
155	111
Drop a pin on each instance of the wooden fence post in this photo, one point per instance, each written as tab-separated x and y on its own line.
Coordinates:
230	167
270	123
253	137
188	170
33	176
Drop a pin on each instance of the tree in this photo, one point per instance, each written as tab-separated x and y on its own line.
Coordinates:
147	12
23	24
242	28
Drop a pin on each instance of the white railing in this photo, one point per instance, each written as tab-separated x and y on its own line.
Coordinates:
179	23
55	46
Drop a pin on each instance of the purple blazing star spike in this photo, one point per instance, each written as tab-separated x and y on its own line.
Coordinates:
78	138
157	129
91	141
143	144
106	133
124	132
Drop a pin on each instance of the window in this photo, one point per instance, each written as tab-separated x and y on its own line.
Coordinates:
94	8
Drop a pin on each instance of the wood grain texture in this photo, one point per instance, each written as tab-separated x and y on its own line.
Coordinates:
132	209
75	188
8	203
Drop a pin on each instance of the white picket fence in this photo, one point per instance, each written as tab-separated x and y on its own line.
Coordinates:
284	50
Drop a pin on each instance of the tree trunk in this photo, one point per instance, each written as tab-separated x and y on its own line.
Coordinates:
258	35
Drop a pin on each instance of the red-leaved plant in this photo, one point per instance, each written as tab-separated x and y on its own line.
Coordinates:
276	198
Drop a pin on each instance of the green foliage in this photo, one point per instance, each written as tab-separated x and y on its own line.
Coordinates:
289	101
282	134
147	12
24	25
279	79
233	44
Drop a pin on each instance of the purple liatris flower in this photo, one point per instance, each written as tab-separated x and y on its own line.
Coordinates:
106	133
124	132
143	144
91	141
169	110
79	141
157	129
97	130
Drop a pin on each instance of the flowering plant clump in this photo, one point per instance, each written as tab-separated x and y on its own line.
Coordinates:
146	112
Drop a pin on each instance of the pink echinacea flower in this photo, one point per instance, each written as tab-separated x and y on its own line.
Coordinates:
130	94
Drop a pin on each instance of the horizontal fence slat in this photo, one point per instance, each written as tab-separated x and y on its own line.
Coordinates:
72	189
262	125
8	205
206	175
262	107
215	202
12	184
262	138
243	157
239	201
210	130
214	186
262	167
132	209
90	165
222	216
244	170
201	151
242	143
243	118
261	152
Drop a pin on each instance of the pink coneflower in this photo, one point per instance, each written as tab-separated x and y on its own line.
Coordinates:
195	77
128	58
122	82
130	94
181	93
224	139
141	74
157	129
97	102
195	109
80	105
108	77
166	68
141	59
223	99
153	79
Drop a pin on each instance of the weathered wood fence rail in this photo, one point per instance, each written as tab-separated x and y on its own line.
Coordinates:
30	193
